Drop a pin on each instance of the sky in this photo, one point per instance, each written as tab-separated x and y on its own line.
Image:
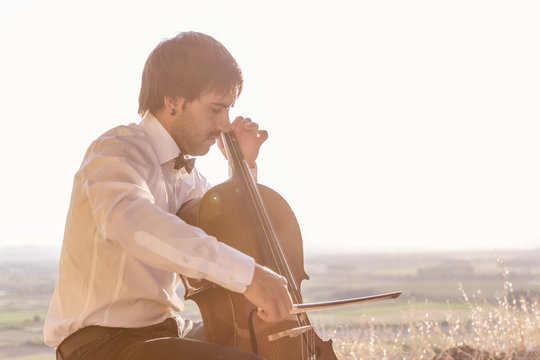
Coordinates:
394	125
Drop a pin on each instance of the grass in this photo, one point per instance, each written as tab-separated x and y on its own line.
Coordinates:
506	329
11	318
498	320
387	317
34	357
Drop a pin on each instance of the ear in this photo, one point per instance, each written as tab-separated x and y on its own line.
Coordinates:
173	105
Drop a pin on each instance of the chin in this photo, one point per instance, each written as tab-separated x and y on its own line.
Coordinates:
199	152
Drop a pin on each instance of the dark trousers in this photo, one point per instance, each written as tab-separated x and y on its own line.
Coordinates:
160	341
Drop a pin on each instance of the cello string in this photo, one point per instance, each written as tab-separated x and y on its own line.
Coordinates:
273	243
248	180
271	238
251	192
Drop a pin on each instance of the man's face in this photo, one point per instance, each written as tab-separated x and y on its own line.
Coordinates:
201	122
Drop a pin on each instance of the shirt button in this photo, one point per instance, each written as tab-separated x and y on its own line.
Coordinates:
185	259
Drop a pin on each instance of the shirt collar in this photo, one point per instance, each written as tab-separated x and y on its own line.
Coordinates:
162	142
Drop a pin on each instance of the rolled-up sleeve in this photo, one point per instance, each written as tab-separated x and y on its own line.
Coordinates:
116	180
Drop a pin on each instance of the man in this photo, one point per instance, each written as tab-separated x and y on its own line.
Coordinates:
123	245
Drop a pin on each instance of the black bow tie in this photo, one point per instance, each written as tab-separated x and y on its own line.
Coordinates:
182	162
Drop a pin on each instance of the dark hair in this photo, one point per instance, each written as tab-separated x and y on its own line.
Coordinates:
186	66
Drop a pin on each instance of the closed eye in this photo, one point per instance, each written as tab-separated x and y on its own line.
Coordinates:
217	107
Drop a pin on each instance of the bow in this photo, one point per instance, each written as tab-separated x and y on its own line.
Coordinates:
183	162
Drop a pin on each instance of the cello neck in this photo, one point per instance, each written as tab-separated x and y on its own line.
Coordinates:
268	240
239	166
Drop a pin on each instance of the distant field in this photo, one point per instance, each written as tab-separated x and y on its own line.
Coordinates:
35	357
17	317
434	287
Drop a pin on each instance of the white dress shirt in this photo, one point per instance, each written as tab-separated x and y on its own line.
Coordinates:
123	244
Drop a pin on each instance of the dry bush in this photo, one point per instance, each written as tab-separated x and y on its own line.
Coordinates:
506	330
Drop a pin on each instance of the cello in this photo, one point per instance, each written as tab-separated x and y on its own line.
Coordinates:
257	221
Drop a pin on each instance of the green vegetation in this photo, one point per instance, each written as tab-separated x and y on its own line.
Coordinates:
448	301
502	326
19	317
35	357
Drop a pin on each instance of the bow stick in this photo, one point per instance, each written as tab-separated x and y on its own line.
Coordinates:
300	308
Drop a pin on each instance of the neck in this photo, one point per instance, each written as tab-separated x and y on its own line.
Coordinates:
166	119
168	122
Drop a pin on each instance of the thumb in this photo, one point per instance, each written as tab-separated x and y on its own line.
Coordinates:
221	147
262	315
263	135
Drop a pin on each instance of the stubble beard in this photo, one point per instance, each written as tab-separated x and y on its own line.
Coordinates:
200	150
189	144
186	139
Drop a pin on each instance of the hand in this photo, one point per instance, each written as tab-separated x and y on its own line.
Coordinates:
250	138
268	291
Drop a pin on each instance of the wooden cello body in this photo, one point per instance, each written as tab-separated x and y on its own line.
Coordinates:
232	212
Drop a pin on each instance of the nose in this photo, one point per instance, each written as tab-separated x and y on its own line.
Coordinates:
223	123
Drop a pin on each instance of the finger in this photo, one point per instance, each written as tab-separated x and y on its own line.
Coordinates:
242	120
220	143
250	125
282	279
270	312
221	147
237	121
283	311
289	304
263	135
240	123
285	302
